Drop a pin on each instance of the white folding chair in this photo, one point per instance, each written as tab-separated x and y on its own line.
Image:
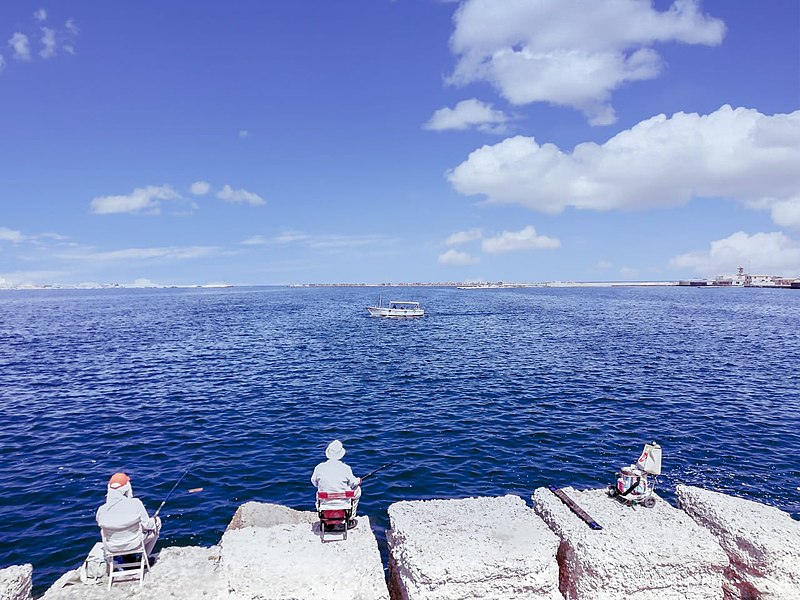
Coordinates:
125	570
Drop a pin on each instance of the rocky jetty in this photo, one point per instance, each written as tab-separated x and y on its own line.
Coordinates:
188	572
267	552
657	552
762	543
270	551
16	582
493	548
490	548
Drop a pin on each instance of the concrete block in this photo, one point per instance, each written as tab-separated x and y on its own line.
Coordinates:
657	552
16	582
263	514
189	573
489	548
287	560
762	542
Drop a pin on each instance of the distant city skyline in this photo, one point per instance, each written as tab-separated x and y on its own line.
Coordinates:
398	141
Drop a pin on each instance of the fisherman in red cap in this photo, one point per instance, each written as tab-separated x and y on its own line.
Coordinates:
122	516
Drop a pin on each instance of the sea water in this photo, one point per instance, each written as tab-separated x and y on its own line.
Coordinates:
495	391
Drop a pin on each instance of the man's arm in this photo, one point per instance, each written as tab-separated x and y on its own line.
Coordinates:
144	518
352	480
315	476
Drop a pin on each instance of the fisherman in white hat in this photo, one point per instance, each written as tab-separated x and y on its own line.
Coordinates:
335	476
122	516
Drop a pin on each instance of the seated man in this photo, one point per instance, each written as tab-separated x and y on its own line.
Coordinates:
122	515
335	476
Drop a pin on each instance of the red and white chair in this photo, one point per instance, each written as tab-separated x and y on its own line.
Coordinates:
335	509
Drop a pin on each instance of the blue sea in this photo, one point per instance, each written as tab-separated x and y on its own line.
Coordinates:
495	391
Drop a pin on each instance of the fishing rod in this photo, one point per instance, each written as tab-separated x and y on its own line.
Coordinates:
172	490
371	473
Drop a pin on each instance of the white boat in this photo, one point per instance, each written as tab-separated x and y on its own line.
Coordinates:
396	309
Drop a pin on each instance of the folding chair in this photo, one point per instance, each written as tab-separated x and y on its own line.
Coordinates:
125	570
335	509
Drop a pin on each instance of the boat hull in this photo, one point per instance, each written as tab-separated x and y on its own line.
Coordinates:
395	313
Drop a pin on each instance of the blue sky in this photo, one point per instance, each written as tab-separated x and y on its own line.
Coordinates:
398	141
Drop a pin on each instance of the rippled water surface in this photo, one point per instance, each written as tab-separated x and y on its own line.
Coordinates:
492	392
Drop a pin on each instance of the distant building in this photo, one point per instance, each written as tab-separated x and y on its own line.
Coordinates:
742	279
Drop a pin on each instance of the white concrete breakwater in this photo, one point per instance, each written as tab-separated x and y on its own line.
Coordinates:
718	546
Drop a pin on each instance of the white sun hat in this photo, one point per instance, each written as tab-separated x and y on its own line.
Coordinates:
335	450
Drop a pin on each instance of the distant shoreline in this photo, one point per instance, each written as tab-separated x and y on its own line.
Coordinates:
467	286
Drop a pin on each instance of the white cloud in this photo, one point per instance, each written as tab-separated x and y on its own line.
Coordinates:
70	26
327	242
243	133
739	154
456	258
145	200
22	49
786	213
604	264
11	235
511	241
288	237
345	242
570	52
462	237
2	63
256	240
240	196
40	15
468	114
128	254
48	43
766	254
200	188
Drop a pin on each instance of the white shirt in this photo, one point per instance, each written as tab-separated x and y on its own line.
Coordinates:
120	518
334	476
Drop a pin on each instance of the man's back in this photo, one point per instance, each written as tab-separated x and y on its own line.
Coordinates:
334	476
121	519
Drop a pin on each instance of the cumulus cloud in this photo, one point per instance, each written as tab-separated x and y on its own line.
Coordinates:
512	241
468	114
200	188
228	194
48	43
570	52
766	253
40	15
22	49
11	235
738	154
786	213
462	237
456	258
146	200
